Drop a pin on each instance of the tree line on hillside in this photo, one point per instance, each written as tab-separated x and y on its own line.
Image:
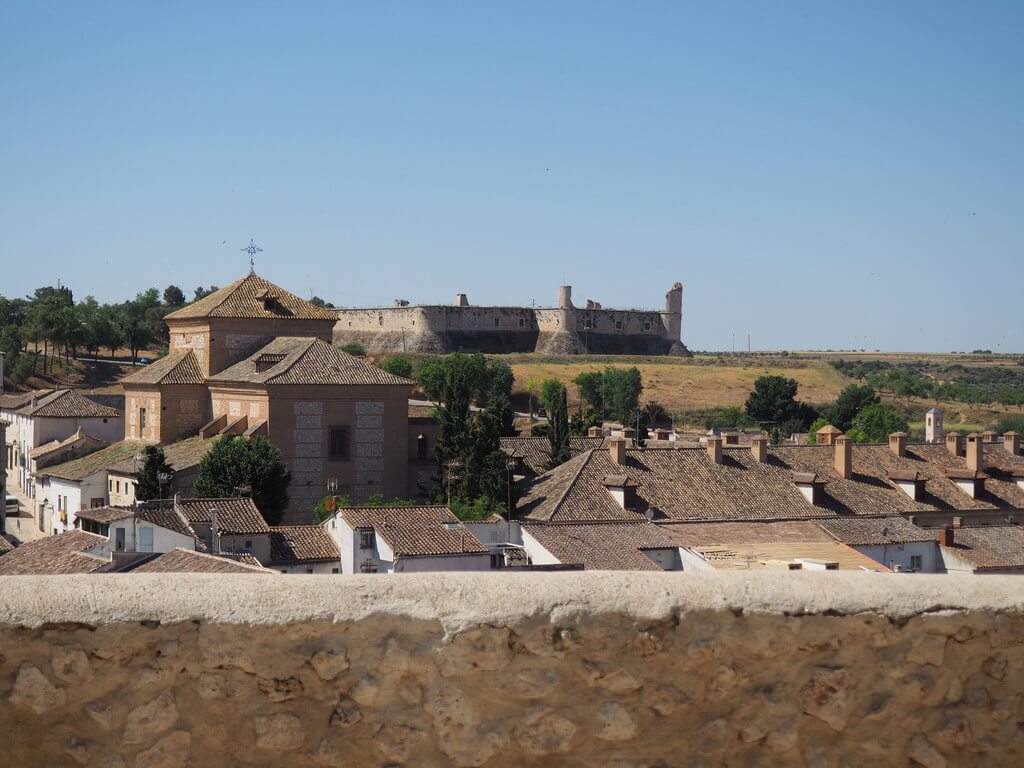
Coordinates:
49	326
972	385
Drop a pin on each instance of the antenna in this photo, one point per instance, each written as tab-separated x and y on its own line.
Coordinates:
252	249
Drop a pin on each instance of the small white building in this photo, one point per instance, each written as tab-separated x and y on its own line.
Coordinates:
405	540
149	529
892	541
303	549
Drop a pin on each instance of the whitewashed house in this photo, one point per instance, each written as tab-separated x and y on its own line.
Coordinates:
148	529
303	549
405	540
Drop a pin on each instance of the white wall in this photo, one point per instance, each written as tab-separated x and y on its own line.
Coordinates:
538	554
345	539
900	554
164	540
466	562
328	568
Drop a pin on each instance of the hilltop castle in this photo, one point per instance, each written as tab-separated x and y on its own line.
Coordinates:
561	330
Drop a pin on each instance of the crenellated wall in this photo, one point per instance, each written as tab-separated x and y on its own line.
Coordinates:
610	669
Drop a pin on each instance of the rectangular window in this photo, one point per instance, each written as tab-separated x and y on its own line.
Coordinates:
145	539
497	322
95	503
522	322
915	562
142	421
368	566
472	321
119	539
647	325
118	486
366	539
248	544
338	449
618	325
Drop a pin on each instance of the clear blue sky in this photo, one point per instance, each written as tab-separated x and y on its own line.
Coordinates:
816	174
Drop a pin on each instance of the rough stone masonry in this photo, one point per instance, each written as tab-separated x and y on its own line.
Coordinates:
593	669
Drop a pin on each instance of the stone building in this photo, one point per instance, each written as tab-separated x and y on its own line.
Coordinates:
253	359
562	330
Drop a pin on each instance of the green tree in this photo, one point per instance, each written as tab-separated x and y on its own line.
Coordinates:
850	402
590	387
173	296
354	348
556	402
620	391
473	466
397	366
875	423
239	466
812	431
202	293
1010	424
153	478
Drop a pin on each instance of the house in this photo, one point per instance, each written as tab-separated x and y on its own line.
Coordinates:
151	528
531	454
44	416
189	561
755	545
611	546
232	525
405	540
182	457
892	541
988	549
303	549
253	359
72	552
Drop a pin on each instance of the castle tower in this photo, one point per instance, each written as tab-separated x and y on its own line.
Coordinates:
674	310
933	429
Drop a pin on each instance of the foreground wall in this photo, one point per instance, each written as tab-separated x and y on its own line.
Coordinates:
490	669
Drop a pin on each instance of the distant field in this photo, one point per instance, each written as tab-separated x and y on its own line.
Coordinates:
684	384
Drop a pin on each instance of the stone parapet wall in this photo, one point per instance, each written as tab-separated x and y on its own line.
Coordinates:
492	669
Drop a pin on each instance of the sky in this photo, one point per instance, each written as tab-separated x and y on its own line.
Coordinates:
817	175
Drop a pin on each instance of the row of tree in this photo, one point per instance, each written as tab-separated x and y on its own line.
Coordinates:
49	326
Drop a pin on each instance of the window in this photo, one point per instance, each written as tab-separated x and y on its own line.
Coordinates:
380	319
915	562
586	323
472	321
618	325
368	566
647	325
309	570
497	322
334	570
248	544
118	486
366	538
119	539
145	539
95	503
338	449
110	485
421	447
142	420
522	322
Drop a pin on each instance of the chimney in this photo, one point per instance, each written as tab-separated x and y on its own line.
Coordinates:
759	447
975	452
844	457
988	436
955	444
946	537
629	433
958	522
595	432
898	443
214	533
827	435
1011	442
715	449
617	449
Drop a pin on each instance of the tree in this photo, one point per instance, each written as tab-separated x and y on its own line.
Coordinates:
240	466
812	431
875	423
620	391
397	366
354	348
173	296
850	402
773	402
154	476
590	386
1010	424
202	293
473	466
555	400
321	303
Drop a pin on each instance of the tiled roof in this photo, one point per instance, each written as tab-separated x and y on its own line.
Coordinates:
234	515
79	469
535	451
875	531
56	445
603	546
425	412
5	544
244	298
299	543
746	532
13	401
68	404
104	515
686	485
179	367
156	513
183	454
63	553
303	360
416	531
186	561
985	547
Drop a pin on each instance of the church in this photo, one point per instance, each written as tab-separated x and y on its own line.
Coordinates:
253	359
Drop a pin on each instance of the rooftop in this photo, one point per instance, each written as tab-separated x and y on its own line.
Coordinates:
985	547
301	543
304	360
234	515
179	367
181	455
603	546
535	451
64	553
59	404
416	531
186	561
79	469
244	298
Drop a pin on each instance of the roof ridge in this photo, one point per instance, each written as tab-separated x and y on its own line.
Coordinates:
302	352
572	484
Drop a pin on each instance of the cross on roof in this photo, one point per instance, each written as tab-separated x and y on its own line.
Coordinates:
252	249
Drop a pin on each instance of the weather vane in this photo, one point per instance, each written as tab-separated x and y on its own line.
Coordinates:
252	249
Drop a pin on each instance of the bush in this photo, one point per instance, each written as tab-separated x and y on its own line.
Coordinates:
397	366
354	348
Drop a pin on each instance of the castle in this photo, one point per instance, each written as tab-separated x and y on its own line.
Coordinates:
561	330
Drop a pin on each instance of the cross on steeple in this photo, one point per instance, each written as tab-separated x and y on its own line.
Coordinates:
252	249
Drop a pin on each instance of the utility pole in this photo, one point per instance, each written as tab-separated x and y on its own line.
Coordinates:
734	343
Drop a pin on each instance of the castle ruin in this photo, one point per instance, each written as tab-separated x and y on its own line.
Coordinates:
561	330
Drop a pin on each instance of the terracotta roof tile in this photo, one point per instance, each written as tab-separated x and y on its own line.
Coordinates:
602	546
234	516
63	553
985	547
186	561
68	404
416	531
162	514
100	461
181	455
244	298
179	367
534	451
303	360
875	531
301	543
